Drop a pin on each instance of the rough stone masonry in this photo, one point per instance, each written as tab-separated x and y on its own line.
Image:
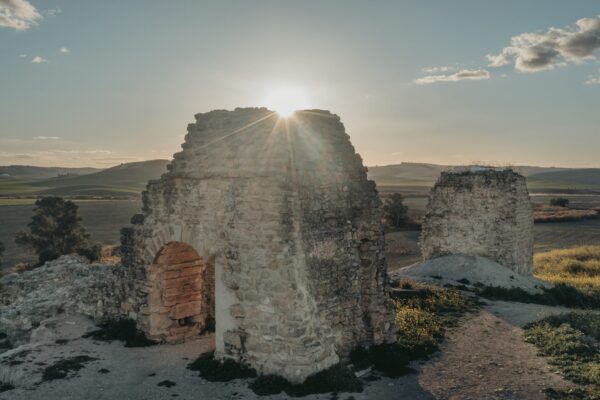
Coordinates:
266	230
485	212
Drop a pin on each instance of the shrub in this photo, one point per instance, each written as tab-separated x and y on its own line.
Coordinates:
121	329
214	370
55	229
559	202
61	369
559	295
571	343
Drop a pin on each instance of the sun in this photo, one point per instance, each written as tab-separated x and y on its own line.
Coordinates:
286	100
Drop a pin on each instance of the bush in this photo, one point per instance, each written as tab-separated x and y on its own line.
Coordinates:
55	229
559	202
1	252
61	369
214	370
121	329
559	295
571	343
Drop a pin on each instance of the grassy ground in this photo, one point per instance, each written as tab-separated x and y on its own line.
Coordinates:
578	267
421	320
571	343
546	213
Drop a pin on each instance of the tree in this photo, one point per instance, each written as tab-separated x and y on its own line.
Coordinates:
55	229
395	210
1	252
559	202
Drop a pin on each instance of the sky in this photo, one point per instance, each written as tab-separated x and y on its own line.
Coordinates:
98	83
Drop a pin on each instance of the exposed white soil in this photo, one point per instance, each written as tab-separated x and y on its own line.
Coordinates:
134	373
461	269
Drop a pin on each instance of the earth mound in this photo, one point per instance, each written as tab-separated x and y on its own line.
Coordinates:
459	269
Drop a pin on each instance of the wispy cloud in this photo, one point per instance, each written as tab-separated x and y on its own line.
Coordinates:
18	14
64	50
465	74
38	60
435	70
593	79
23	55
532	52
46	137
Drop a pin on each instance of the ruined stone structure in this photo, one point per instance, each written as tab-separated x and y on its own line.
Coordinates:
485	212
267	229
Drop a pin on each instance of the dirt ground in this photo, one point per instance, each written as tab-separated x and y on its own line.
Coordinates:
485	357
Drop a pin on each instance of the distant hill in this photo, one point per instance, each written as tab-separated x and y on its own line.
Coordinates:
122	180
420	176
30	172
128	180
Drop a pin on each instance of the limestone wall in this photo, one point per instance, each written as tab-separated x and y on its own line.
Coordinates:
484	212
284	211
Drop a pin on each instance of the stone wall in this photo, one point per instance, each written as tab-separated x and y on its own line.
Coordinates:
485	212
284	213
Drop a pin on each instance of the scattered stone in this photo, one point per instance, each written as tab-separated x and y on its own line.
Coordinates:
167	383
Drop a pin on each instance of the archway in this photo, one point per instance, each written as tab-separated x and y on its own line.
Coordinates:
181	301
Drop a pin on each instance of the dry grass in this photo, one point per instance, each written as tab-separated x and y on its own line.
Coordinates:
578	267
546	213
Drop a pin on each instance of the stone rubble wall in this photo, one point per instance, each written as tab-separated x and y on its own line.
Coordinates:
284	211
69	284
484	212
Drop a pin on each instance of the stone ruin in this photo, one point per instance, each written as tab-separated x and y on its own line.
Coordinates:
482	212
267	231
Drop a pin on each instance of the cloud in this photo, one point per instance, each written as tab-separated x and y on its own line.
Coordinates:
46	137
23	55
465	74
433	70
18	14
64	50
593	79
532	52
38	60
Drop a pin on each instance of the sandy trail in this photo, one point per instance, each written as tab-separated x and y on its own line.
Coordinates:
486	358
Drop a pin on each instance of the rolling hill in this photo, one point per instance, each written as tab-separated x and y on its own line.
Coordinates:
128	180
124	180
418	177
30	172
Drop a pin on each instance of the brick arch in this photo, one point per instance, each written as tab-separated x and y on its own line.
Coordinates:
181	294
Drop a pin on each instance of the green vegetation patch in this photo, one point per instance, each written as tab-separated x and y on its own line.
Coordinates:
578	267
63	368
335	379
571	342
214	370
559	295
422	321
121	329
5	386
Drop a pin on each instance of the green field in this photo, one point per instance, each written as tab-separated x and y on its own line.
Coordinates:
102	218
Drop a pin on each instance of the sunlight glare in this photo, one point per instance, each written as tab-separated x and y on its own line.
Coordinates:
286	100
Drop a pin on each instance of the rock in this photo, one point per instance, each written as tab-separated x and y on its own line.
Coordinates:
69	284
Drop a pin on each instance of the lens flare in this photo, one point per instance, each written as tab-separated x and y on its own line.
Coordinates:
286	100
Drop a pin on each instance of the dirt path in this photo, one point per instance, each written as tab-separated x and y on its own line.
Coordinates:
486	357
